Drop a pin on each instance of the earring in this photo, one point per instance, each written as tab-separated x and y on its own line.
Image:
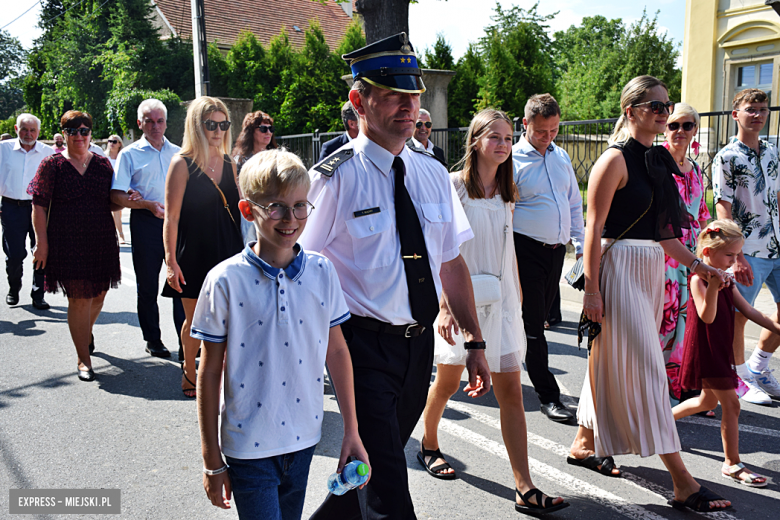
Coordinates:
695	147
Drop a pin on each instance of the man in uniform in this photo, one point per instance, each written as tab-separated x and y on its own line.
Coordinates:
19	160
390	221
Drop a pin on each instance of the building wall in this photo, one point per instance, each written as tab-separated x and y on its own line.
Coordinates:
720	37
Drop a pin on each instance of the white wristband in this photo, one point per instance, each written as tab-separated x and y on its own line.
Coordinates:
211	473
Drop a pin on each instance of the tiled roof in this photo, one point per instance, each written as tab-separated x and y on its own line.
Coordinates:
225	19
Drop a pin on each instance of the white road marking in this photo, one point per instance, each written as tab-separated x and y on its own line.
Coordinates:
701	421
630	479
580	487
128	276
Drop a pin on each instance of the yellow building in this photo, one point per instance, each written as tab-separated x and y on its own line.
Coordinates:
729	45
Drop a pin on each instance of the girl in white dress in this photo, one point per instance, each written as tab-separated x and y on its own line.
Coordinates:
487	191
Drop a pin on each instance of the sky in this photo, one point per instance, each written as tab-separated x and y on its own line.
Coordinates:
461	21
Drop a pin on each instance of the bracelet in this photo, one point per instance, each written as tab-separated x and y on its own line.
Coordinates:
593	293
474	345
211	473
695	264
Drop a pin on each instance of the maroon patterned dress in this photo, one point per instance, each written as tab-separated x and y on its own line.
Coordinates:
83	250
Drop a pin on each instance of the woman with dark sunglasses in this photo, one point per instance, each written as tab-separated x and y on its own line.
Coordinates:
74	232
681	128
113	148
257	135
201	227
634	207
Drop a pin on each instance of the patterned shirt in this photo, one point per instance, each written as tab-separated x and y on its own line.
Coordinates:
750	182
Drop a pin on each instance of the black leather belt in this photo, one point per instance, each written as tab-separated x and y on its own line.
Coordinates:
15	202
548	246
407	331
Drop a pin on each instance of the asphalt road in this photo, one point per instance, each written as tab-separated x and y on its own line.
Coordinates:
133	430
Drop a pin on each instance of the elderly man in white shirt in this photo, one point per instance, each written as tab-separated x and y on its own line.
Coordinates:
143	167
19	160
547	215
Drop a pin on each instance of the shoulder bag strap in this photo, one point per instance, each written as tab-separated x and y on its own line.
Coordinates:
224	200
629	227
503	248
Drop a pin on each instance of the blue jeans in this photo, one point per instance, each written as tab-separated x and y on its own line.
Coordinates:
146	234
17	227
272	488
765	271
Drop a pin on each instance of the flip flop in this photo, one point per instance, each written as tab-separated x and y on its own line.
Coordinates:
434	471
749	481
699	502
593	462
537	509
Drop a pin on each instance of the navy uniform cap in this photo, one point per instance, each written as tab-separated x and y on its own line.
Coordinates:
390	64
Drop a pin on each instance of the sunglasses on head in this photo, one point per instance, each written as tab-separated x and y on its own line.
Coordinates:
113	141
73	131
658	107
212	125
265	128
427	124
687	126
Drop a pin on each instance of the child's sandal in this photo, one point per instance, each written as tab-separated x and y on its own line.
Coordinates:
751	480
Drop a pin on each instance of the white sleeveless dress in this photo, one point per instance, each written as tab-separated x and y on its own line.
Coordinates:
501	323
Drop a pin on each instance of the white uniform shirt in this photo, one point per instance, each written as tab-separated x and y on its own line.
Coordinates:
142	167
276	324
97	150
353	224
18	167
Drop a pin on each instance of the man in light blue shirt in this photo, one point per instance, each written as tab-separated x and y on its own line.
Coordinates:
547	215
143	167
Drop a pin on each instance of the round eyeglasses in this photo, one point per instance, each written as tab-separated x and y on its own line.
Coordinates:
276	211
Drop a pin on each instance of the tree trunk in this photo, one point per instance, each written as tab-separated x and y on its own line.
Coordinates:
383	18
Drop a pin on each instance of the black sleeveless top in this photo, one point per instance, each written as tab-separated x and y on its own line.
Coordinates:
650	179
207	233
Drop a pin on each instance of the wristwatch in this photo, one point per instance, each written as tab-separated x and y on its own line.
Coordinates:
474	345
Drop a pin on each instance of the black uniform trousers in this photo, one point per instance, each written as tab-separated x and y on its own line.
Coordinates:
392	375
540	270
17	227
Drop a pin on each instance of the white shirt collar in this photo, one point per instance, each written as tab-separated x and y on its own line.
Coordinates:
348	137
37	147
418	144
381	157
144	143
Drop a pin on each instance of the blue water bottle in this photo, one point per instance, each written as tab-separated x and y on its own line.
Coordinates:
354	474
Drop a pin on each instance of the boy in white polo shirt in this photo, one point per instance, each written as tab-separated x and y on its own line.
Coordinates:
273	313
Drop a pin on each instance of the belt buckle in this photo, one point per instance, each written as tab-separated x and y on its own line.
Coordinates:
407	333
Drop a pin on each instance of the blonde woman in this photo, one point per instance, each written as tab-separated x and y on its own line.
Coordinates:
201	214
487	190
633	203
113	148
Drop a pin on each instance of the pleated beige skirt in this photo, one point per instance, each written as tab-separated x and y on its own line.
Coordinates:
625	397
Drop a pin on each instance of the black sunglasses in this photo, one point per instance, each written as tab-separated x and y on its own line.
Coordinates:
265	128
427	124
73	131
658	107
687	126
212	125
113	141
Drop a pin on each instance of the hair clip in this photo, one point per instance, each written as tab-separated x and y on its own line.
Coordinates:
712	230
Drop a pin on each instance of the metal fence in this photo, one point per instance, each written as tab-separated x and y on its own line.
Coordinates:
584	141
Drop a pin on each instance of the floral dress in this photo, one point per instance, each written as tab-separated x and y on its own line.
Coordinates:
672	331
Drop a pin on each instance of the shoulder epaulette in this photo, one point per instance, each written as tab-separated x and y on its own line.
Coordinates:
426	152
330	164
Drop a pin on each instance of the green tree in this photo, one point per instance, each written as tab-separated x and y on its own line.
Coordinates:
595	60
440	57
219	72
247	61
12	69
463	91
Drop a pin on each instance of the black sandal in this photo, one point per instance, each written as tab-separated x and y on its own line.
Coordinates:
699	502
194	386
593	462
537	509
434	471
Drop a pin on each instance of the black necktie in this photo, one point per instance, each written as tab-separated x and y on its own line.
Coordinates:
422	291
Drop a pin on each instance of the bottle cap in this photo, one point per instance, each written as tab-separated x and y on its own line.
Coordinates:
362	470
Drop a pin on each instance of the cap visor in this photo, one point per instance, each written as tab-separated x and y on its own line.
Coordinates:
402	83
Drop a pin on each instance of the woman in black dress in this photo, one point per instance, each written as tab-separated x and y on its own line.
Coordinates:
202	220
74	231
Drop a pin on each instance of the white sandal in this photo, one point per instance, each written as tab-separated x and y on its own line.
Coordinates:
750	480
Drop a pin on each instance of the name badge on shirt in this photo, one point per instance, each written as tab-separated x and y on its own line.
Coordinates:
364	212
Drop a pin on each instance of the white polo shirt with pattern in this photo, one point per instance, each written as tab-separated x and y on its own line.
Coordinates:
750	182
276	324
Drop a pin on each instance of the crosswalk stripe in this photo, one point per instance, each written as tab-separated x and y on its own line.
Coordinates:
745	428
561	450
128	276
610	500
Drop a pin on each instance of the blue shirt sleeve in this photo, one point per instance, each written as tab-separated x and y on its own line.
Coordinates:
339	312
123	171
